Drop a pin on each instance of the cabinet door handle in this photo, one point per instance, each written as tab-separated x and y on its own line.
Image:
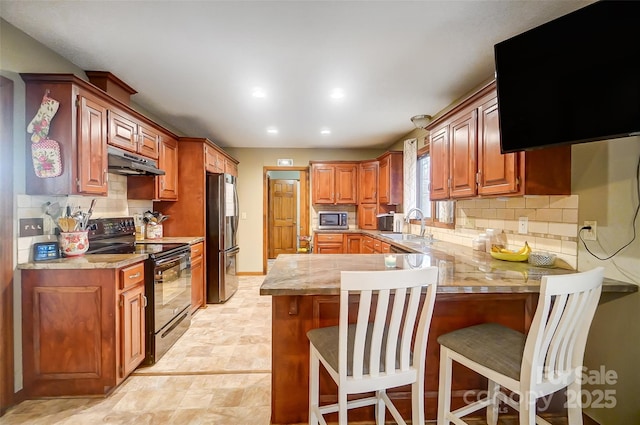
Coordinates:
134	276
144	297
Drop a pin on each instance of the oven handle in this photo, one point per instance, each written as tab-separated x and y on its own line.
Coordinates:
172	258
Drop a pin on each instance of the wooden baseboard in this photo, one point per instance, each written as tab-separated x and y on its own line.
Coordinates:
249	274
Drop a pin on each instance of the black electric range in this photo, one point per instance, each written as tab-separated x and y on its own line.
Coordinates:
167	280
117	236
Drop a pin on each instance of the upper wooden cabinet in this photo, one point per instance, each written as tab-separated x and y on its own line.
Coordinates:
161	188
334	182
192	173
390	178
130	134
368	182
79	127
86	121
466	160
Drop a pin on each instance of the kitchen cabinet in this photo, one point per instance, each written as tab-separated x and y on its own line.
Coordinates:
83	330
231	167
79	127
197	276
328	243
164	187
367	216
190	207
466	160
352	243
87	120
334	183
368	182
390	178
130	134
214	161
367	246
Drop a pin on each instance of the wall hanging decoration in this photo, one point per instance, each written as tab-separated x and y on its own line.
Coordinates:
45	152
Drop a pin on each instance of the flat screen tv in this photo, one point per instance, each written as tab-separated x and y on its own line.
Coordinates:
574	79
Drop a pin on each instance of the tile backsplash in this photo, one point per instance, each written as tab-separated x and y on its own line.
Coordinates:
552	223
115	204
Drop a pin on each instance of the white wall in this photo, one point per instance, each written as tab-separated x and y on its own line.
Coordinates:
604	177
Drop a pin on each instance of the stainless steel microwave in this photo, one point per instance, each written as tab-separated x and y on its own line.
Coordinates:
332	220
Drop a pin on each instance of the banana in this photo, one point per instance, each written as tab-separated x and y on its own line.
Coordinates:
524	250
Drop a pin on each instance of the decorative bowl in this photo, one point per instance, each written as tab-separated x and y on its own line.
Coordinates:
544	259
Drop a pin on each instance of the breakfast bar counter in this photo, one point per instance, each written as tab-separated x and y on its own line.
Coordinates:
472	288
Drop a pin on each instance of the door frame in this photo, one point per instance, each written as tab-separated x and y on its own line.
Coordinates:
7	397
303	225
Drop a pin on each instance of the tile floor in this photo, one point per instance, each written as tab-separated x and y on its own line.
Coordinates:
218	373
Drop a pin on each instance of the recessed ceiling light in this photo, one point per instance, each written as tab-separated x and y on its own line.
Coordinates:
272	130
337	94
258	92
325	131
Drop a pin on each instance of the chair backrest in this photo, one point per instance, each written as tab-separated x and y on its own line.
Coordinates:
558	335
388	331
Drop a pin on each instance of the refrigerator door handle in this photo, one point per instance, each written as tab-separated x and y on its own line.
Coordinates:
233	251
237	209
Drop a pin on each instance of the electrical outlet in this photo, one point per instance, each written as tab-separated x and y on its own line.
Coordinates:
591	234
523	225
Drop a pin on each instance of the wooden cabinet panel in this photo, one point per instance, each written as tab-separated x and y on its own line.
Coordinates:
367	246
352	243
168	161
132	332
367	216
148	141
390	178
230	167
131	276
92	146
462	155
439	151
368	182
497	173
346	184
123	131
385	247
197	276
334	183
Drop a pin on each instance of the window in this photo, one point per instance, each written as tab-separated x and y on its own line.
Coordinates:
437	213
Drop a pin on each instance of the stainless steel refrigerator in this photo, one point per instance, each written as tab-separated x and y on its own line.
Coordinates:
222	247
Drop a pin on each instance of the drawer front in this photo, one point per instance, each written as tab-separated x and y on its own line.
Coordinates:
132	276
329	237
197	251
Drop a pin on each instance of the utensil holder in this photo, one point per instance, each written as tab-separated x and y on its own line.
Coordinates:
74	243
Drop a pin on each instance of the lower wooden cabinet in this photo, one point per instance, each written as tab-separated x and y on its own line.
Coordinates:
197	276
82	330
367	245
367	216
328	243
352	243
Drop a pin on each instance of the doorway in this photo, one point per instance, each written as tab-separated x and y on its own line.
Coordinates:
286	210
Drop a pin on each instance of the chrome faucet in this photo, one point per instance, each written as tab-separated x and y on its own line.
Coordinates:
421	218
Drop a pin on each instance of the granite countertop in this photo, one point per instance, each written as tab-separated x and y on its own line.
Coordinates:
105	261
87	261
461	270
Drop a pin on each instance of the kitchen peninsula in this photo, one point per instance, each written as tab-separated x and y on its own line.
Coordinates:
472	288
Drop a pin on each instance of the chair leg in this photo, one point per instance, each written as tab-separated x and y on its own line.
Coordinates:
492	410
314	386
342	406
444	387
574	410
527	408
417	401
380	409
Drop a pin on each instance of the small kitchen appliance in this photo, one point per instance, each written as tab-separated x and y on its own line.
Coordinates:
333	220
385	222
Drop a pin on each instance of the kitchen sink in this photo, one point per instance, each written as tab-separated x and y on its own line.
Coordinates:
401	236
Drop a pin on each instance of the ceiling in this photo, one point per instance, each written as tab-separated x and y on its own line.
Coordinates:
196	64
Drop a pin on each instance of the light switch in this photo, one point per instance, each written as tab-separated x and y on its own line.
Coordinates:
523	225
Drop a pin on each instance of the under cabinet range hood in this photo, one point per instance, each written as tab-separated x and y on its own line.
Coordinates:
129	164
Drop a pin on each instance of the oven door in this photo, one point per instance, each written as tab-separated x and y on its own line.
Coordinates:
171	288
